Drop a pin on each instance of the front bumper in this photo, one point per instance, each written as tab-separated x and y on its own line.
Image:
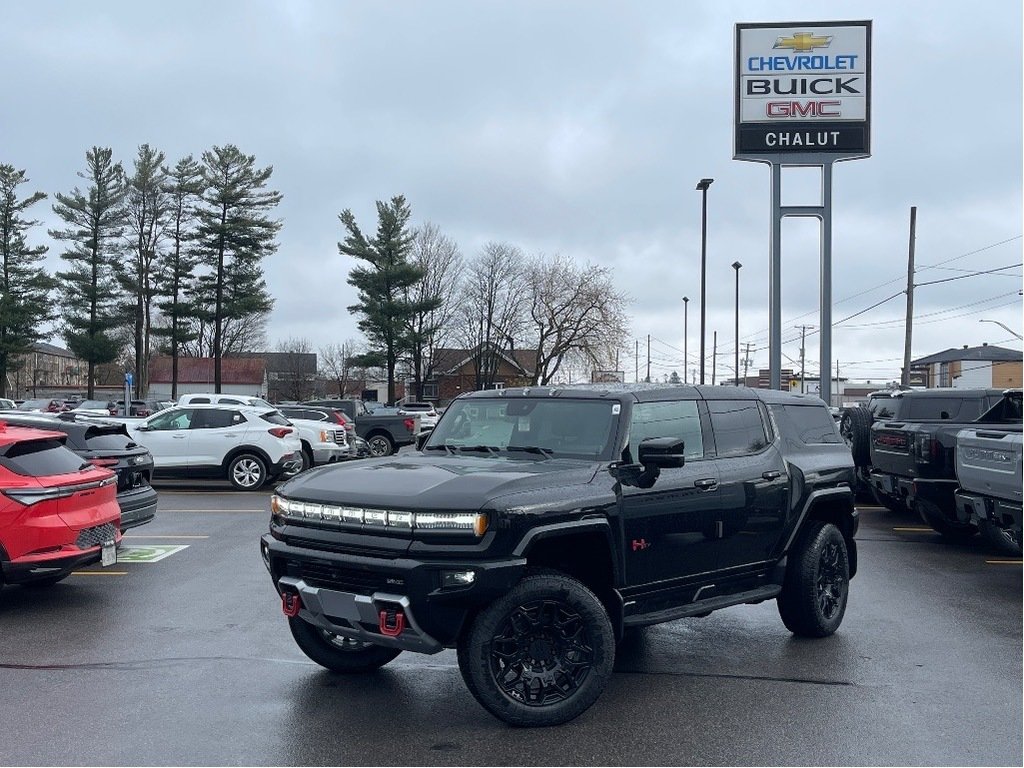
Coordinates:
29	569
345	593
328	453
138	506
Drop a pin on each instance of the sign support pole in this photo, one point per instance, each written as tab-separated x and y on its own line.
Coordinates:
823	213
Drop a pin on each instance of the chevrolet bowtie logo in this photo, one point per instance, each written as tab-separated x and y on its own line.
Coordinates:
803	41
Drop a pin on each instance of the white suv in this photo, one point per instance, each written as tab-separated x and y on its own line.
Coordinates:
320	444
247	446
426	412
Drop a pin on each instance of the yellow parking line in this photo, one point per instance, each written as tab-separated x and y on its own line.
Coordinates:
1005	562
915	529
144	536
99	573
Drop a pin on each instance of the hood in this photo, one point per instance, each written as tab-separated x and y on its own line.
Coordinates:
434	482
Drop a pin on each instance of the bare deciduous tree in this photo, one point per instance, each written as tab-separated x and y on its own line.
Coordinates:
238	336
297	379
575	315
490	313
336	363
436	298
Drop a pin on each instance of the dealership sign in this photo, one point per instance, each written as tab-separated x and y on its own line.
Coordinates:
803	88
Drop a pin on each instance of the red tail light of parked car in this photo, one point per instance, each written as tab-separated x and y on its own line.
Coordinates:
57	513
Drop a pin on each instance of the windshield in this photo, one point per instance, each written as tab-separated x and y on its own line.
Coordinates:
558	427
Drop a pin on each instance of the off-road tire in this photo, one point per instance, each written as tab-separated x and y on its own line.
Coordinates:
336	653
549	638
952	531
1001	540
855	427
817	582
247	472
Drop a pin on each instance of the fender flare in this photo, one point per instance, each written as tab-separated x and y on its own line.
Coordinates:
568	528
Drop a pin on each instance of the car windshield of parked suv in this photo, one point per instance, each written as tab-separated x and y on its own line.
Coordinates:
559	427
942	408
34	405
93	405
112	438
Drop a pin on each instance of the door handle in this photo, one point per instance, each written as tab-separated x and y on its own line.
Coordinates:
179	437
771	474
707	484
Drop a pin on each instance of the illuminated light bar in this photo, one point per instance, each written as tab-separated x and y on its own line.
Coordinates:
456	522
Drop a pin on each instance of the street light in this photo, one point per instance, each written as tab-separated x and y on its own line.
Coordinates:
736	265
703	185
686	335
1008	330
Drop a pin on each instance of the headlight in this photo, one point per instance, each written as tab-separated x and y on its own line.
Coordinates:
441	522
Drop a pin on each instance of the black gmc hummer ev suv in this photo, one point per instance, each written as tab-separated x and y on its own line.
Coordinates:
536	526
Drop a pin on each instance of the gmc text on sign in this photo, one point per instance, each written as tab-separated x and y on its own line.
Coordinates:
803	87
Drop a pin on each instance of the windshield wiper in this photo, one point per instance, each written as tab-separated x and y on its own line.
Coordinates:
477	448
447	448
545	452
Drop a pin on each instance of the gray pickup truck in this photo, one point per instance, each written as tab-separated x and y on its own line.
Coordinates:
913	456
385	434
989	470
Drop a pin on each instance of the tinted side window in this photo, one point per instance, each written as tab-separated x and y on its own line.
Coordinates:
273	417
812	424
200	400
37	458
737	426
216	418
676	418
940	408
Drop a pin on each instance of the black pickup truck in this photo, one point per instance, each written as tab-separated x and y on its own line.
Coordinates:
385	433
913	457
535	526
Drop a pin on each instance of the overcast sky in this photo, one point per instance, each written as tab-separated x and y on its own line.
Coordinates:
561	127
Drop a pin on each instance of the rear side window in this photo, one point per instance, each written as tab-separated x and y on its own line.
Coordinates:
675	418
813	425
941	408
738	427
273	417
216	418
40	458
199	400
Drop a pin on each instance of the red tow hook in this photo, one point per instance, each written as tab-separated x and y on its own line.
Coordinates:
392	623
291	604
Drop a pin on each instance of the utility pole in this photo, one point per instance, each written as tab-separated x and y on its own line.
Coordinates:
648	379
905	378
714	357
686	337
803	336
746	363
636	360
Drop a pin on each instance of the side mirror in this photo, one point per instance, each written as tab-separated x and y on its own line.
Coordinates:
664	452
421	437
143	428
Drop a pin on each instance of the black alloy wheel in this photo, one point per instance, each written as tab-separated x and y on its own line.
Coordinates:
380	445
541	654
817	583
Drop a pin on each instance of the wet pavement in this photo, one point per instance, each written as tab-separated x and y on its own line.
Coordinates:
188	660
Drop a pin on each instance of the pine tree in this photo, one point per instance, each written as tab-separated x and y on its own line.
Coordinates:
175	271
234	235
25	288
146	206
384	284
95	220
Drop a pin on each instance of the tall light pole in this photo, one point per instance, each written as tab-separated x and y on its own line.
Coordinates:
703	185
686	336
736	265
1008	330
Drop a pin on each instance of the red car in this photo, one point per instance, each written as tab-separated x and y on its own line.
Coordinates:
57	512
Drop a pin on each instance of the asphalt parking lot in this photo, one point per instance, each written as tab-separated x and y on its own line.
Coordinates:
186	659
